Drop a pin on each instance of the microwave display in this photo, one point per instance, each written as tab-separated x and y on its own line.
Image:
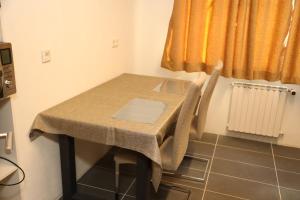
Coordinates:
5	56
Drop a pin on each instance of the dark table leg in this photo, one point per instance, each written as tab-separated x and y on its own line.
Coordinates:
143	175
68	168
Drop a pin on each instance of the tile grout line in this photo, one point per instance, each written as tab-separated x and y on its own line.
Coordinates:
196	188
233	147
181	184
289	158
203	142
228	195
287	171
235	161
106	190
241	149
290	188
212	159
236	177
246	163
90	186
276	172
193	187
244	179
128	189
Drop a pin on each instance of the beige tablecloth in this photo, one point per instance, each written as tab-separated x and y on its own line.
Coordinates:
88	116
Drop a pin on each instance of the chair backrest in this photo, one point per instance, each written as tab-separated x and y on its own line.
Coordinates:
200	118
184	121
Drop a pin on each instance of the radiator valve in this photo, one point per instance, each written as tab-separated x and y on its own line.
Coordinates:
292	91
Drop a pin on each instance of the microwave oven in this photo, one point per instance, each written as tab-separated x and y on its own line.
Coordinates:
7	72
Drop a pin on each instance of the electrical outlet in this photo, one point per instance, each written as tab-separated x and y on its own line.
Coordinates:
115	43
46	56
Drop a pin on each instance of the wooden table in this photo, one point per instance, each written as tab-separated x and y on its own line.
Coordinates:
88	116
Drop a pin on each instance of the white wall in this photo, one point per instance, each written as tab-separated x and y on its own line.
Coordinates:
79	35
151	30
6	125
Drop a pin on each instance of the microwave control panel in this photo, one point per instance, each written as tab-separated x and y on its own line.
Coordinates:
7	72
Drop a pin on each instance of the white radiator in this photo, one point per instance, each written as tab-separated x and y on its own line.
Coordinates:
257	109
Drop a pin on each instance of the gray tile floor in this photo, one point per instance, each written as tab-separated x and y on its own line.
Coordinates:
239	169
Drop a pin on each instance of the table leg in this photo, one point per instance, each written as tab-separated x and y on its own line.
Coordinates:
143	175
68	169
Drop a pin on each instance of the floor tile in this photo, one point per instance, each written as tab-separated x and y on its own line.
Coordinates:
128	198
170	193
166	192
94	193
244	156
287	164
80	196
194	163
289	180
286	151
105	179
230	179
196	194
196	147
242	188
209	138
196	188
184	172
287	194
245	144
256	173
183	182
209	195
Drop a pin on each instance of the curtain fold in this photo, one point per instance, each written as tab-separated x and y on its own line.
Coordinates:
248	35
291	64
185	44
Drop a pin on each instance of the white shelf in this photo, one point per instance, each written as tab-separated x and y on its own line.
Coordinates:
6	169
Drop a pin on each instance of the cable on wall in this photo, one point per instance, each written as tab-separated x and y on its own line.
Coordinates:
23	173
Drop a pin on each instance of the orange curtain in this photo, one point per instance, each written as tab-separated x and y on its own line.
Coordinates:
248	35
185	48
291	64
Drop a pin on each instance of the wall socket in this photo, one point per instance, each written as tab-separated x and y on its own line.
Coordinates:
115	43
46	56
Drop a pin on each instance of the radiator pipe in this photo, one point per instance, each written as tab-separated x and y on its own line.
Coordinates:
278	87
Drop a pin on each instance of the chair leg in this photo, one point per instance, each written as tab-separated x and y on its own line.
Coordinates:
117	174
193	178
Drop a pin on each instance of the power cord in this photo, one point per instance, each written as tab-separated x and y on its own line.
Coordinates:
23	173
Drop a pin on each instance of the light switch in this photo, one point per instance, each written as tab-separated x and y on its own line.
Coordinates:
46	56
115	43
